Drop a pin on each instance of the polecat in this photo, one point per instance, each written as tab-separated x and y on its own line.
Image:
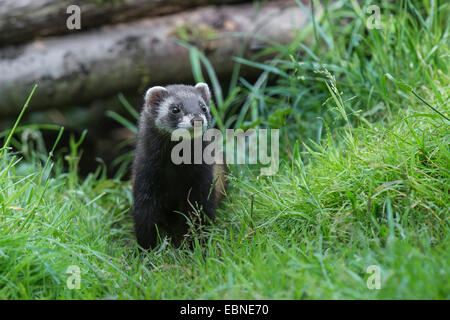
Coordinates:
161	189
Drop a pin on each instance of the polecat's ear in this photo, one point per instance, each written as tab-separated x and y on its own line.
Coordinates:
204	91
155	95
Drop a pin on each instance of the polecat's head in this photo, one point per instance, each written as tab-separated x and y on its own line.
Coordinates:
179	106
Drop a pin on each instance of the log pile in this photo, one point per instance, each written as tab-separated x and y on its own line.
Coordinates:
24	20
114	52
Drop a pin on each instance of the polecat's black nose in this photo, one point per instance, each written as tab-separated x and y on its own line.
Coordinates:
197	121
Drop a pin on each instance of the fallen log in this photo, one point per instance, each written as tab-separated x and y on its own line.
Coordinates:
24	20
79	68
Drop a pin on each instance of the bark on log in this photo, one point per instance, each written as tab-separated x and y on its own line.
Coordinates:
79	68
24	20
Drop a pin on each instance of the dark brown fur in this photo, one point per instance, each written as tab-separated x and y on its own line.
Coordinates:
161	189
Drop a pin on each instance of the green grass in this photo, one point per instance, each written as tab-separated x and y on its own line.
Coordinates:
365	182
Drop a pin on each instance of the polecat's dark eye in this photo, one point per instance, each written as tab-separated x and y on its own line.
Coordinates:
204	109
175	109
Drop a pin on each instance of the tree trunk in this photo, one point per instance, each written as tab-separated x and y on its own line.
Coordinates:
79	68
24	20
